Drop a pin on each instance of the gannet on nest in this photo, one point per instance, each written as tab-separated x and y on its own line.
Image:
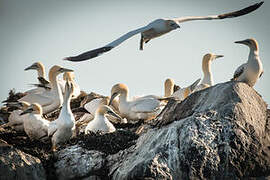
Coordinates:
63	128
183	93
207	73
52	99
35	126
252	70
100	122
15	119
157	28
144	108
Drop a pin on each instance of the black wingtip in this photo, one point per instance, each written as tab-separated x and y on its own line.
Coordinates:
89	54
241	12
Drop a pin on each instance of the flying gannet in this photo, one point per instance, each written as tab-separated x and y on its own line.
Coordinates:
52	99
157	28
15	120
43	83
183	93
63	128
207	73
100	122
252	70
35	126
142	108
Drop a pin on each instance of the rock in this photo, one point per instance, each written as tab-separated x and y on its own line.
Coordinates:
219	133
15	164
75	162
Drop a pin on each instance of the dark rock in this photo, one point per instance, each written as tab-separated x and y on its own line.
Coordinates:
15	164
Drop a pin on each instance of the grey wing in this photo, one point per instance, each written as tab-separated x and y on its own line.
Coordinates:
239	71
146	105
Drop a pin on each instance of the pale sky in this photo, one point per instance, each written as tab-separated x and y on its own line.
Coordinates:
49	30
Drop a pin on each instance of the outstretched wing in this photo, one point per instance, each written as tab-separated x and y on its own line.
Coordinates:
241	12
96	52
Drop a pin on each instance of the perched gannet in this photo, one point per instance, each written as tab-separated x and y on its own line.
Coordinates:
52	99
34	125
43	83
183	93
15	120
100	122
170	87
69	76
252	70
145	108
207	73
63	128
157	28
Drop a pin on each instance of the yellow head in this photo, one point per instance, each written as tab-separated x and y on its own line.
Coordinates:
69	76
104	109
34	108
117	90
55	70
251	43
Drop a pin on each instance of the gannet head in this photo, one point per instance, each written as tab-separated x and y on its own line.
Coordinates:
172	25
104	109
169	87
251	43
21	105
55	70
34	108
69	76
207	59
117	90
69	87
35	66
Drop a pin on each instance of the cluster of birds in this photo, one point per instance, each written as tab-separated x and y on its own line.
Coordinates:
50	95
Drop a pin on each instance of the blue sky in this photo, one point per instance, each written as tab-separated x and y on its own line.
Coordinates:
47	31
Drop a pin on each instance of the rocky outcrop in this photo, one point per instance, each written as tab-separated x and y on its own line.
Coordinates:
222	132
15	164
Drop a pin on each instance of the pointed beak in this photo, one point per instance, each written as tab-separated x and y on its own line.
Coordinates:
27	111
241	42
193	86
218	56
114	114
112	98
65	70
31	67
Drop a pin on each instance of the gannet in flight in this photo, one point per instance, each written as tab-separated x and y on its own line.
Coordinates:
100	122
145	108
183	93
157	28
63	128
15	120
35	126
207	73
52	99
252	70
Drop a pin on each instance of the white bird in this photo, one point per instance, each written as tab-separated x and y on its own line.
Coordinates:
207	80
63	128
43	83
252	70
100	122
15	120
157	28
52	99
69	76
183	93
35	126
144	108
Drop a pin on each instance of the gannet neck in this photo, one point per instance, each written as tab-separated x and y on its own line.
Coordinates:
41	70
123	96
206	68
37	109
168	86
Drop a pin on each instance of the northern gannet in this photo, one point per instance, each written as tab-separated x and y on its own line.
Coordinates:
34	125
43	83
170	87
15	120
252	70
183	93
52	99
100	122
157	28
207	73
145	108
63	128
69	76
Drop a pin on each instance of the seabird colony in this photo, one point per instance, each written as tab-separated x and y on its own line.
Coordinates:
54	93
